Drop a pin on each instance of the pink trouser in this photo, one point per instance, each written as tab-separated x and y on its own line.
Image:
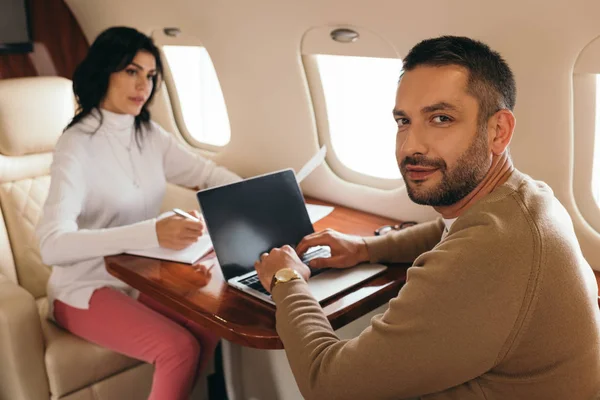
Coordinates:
145	330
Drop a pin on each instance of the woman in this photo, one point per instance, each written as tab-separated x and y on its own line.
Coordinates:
109	176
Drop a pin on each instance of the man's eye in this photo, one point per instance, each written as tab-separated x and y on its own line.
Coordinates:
440	119
402	121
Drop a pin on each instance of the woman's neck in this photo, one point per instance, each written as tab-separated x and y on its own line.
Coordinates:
117	122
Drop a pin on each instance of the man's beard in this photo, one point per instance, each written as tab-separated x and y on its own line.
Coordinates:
469	171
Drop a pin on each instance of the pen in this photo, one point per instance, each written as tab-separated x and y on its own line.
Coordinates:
183	214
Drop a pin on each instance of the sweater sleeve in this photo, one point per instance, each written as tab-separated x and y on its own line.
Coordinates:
61	240
406	245
186	168
440	331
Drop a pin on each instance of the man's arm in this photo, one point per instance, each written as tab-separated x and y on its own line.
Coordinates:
398	246
406	245
437	333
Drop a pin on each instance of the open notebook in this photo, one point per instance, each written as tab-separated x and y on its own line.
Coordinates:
189	255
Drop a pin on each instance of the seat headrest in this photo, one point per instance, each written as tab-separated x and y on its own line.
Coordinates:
33	113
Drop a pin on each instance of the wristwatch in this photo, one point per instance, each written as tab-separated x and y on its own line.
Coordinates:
284	275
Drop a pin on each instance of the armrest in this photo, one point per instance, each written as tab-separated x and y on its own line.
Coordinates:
23	372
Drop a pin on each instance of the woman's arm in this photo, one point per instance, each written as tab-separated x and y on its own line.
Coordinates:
186	168
61	240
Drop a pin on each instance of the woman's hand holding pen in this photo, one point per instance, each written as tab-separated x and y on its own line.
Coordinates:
179	231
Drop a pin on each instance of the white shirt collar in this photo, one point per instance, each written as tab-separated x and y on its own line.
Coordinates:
448	222
116	123
119	125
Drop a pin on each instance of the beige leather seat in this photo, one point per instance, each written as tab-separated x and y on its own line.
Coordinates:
39	360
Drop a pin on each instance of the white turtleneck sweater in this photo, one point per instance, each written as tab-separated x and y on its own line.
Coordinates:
105	194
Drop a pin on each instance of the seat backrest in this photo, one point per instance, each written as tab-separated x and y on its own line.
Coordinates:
33	114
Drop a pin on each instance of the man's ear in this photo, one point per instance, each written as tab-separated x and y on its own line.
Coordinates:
501	127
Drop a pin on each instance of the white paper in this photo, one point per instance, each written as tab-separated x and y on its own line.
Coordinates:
312	164
189	255
317	212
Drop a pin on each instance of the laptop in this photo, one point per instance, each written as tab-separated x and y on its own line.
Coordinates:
251	217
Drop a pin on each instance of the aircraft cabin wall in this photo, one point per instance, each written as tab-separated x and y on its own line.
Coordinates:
261	52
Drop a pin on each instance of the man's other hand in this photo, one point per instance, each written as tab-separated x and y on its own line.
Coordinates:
346	250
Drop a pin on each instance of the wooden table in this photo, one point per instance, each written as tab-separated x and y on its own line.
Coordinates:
203	295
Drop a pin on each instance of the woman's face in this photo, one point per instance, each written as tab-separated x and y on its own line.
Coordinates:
129	89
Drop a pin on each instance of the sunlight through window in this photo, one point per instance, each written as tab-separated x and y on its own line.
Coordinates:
359	96
202	104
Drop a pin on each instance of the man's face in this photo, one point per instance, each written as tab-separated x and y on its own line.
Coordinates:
442	153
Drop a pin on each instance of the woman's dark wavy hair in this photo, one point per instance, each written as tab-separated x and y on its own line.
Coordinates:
112	51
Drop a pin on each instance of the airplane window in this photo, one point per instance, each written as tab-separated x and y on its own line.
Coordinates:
596	165
200	96
359	97
586	133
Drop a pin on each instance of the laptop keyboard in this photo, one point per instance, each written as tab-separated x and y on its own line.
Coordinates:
254	282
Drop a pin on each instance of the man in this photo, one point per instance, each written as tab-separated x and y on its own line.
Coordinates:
499	303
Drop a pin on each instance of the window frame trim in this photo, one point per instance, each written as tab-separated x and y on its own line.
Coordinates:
171	87
318	102
317	40
584	95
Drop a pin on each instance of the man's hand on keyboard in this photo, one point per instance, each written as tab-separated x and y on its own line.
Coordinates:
284	257
346	250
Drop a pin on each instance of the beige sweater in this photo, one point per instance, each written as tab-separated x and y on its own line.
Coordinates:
505	307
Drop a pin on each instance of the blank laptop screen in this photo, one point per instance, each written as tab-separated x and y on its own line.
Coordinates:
253	216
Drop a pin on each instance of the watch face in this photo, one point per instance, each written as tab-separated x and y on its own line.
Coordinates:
285	274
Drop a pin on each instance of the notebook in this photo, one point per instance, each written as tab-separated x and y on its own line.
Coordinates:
189	255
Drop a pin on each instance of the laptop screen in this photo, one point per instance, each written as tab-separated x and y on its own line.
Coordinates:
248	218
